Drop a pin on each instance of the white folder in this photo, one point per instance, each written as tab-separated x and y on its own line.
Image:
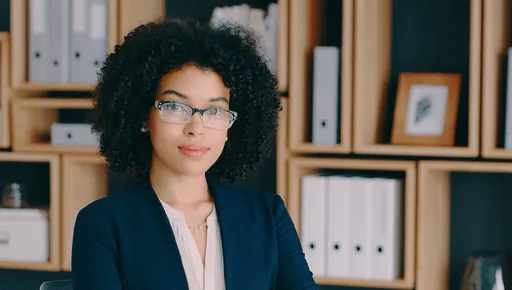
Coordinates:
385	228
89	39
38	40
359	255
325	125
338	229
313	226
57	65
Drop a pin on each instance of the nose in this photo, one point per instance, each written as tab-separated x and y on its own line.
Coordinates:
195	127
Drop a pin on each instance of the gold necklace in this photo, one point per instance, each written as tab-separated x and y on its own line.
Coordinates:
198	228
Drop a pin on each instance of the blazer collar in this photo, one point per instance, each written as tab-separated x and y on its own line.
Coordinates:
230	213
233	227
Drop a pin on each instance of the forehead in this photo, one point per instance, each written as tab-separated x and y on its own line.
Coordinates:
195	83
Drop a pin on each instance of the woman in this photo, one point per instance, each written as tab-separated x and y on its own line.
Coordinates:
188	109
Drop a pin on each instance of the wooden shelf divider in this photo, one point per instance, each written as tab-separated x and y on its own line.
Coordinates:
5	91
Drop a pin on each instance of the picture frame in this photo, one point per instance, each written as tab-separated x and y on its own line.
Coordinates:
426	109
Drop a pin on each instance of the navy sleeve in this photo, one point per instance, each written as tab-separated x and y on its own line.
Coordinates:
293	272
93	259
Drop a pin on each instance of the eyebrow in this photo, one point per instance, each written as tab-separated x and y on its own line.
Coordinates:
178	94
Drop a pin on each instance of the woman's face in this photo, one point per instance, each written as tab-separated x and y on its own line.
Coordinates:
187	145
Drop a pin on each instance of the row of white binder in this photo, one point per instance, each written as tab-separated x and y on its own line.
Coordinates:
67	40
351	226
325	121
263	23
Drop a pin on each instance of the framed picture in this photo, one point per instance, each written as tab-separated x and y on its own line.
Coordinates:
426	109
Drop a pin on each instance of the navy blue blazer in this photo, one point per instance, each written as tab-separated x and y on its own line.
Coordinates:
125	241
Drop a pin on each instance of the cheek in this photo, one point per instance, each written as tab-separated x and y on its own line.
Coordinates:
217	140
165	134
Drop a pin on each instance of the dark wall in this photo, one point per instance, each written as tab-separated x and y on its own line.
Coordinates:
428	35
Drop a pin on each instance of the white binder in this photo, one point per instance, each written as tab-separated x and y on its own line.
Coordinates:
385	228
38	41
89	39
338	229
313	226
57	65
359	254
325	95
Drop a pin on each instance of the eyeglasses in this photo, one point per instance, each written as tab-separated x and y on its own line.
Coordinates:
180	113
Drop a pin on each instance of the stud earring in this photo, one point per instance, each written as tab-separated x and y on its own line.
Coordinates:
226	139
143	129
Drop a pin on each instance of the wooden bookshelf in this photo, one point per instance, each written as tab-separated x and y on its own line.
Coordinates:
34	118
5	140
53	161
314	23
496	41
84	179
300	166
434	217
378	61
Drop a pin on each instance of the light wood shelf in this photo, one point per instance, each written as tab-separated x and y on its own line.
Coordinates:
53	160
434	214
300	166
5	91
496	41
34	118
373	78
306	27
84	179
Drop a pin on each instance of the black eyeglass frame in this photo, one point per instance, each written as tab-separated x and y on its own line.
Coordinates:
159	104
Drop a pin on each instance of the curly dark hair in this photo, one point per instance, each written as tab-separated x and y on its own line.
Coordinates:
131	74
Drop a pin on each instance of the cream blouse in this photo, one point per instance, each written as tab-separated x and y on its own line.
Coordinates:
200	277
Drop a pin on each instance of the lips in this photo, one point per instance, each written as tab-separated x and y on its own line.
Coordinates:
193	150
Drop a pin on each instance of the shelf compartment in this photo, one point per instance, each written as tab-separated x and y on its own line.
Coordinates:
34	118
496	42
37	172
5	91
314	23
19	48
445	238
301	166
84	179
384	49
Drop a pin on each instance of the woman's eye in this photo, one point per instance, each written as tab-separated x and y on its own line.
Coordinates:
175	107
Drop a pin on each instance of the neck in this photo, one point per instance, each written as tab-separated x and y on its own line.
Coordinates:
178	189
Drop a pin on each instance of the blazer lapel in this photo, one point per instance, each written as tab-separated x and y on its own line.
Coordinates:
233	227
170	265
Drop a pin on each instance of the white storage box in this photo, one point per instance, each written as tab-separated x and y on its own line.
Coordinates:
73	135
24	235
